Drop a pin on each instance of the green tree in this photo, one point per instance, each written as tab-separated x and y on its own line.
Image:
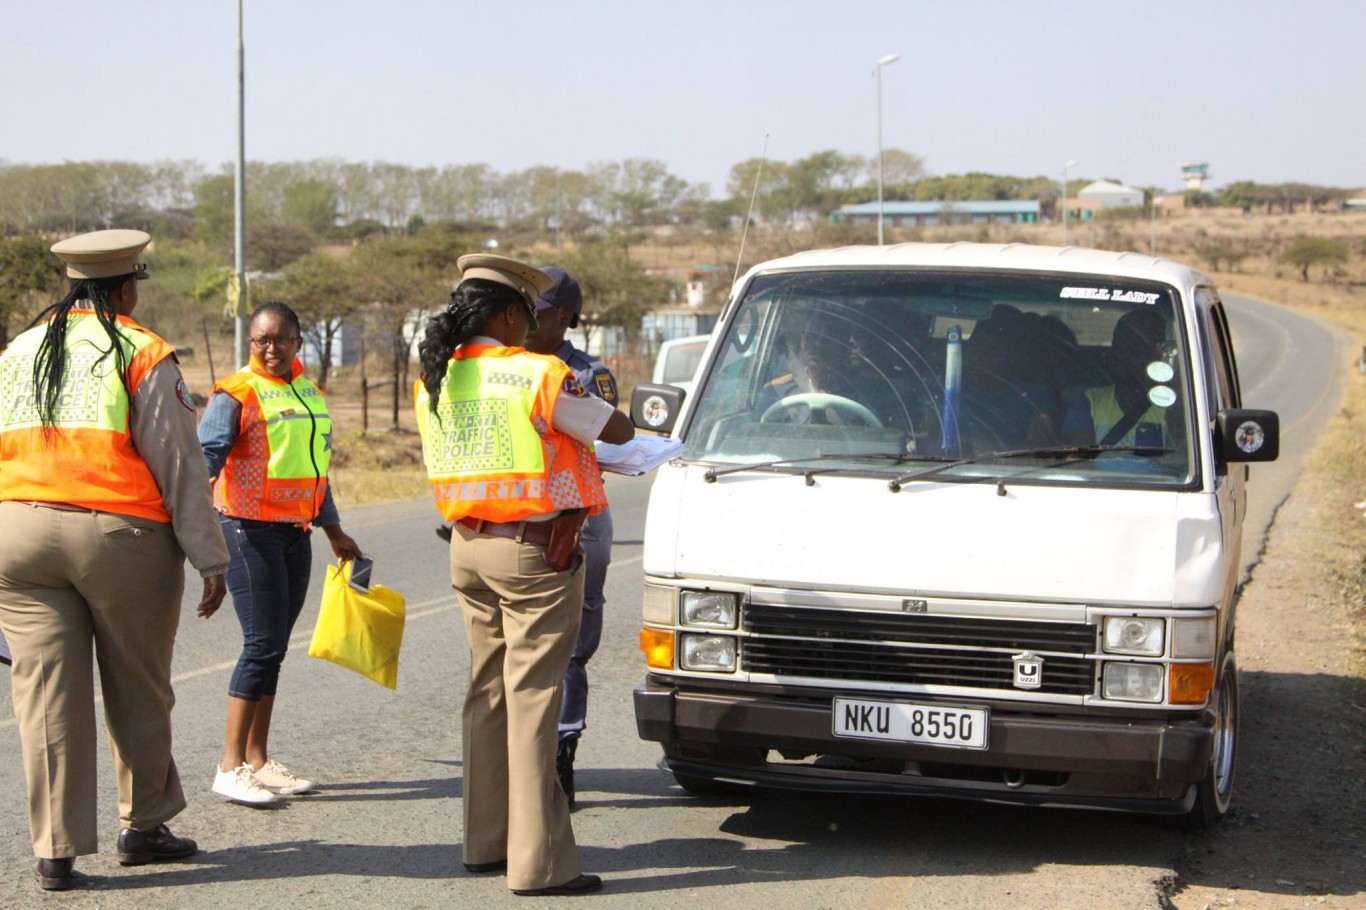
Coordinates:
898	167
1244	195
402	280
616	290
311	203
323	290
1216	253
1311	251
274	244
214	208
29	275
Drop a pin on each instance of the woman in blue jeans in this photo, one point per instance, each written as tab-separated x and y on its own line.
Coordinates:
267	439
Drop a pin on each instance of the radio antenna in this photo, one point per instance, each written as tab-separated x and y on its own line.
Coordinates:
752	196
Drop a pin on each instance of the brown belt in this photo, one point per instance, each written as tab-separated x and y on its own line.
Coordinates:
537	532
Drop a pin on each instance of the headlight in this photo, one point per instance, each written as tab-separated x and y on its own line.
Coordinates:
1134	635
708	609
1193	638
712	653
657	605
1132	682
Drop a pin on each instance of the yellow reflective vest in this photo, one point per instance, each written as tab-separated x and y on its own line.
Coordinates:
89	460
277	469
490	450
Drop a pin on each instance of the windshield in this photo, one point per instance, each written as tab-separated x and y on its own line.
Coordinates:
875	370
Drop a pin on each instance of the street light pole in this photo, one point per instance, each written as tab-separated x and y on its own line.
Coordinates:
240	215
882	61
1062	203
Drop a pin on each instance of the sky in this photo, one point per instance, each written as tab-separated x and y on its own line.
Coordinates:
1262	90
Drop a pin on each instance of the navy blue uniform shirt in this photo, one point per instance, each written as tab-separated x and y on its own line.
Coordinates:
590	372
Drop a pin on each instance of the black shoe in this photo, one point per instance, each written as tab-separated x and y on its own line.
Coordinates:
137	848
498	865
564	766
55	874
584	884
444	532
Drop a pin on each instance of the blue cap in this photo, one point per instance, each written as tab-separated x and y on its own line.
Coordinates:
564	293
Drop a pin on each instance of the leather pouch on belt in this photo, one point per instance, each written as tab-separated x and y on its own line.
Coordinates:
564	538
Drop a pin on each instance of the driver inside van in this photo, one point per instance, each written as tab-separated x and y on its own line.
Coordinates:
828	381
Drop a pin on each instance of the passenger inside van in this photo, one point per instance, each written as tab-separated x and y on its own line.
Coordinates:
1011	395
1135	408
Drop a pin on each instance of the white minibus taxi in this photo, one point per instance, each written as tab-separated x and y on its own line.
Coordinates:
954	519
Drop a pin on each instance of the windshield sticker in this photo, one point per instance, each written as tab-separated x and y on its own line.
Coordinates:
1115	294
1160	371
1162	396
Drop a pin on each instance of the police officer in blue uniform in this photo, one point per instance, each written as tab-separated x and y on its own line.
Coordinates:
557	311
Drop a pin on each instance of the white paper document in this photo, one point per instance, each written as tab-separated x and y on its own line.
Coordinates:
643	453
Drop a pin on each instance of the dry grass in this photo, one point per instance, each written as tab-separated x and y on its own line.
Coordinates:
386	463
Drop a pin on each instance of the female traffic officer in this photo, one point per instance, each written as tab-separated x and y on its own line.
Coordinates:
103	494
507	437
267	439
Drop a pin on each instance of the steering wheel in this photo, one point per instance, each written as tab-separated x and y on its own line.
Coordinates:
820	401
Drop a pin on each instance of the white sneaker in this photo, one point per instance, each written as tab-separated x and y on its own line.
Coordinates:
241	786
276	778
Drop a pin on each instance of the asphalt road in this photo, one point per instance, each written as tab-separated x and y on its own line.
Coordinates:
385	828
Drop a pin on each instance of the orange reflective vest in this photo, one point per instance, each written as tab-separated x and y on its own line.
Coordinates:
87	458
490	449
277	469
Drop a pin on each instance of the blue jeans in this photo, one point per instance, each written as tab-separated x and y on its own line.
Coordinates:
268	578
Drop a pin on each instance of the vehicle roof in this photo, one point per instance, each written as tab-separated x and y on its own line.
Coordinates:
1004	256
678	342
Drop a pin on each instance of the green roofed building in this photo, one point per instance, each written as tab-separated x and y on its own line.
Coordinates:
911	214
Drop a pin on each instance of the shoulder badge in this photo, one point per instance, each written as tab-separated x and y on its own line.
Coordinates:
572	387
184	395
607	389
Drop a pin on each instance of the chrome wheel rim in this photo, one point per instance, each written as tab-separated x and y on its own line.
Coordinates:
1226	734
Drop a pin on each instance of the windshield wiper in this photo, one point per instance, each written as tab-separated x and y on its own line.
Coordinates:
1061	452
894	457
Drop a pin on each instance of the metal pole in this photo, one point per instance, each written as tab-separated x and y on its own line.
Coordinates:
882	61
1063	202
1152	224
879	154
240	215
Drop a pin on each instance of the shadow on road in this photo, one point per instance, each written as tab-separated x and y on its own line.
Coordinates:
1298	821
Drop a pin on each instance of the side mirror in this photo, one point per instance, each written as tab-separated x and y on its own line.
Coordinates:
1248	435
655	407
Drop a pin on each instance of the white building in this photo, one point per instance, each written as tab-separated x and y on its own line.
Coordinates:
1111	195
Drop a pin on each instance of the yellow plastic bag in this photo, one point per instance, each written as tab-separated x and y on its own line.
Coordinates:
358	631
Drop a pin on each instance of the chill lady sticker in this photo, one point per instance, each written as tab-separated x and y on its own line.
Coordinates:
1116	294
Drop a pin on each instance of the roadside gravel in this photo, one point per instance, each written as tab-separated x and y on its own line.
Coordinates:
1296	835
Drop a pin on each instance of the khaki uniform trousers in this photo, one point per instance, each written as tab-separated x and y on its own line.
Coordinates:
522	618
73	582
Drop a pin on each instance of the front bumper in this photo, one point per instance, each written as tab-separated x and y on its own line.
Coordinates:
1037	755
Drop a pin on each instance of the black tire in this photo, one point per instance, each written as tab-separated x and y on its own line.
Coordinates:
1214	793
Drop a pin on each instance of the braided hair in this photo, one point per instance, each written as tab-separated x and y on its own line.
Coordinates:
472	305
50	363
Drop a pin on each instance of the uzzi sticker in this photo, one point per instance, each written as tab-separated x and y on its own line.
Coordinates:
1116	294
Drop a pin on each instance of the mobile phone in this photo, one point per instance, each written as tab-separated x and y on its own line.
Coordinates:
361	568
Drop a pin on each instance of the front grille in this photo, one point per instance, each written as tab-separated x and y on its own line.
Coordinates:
914	649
